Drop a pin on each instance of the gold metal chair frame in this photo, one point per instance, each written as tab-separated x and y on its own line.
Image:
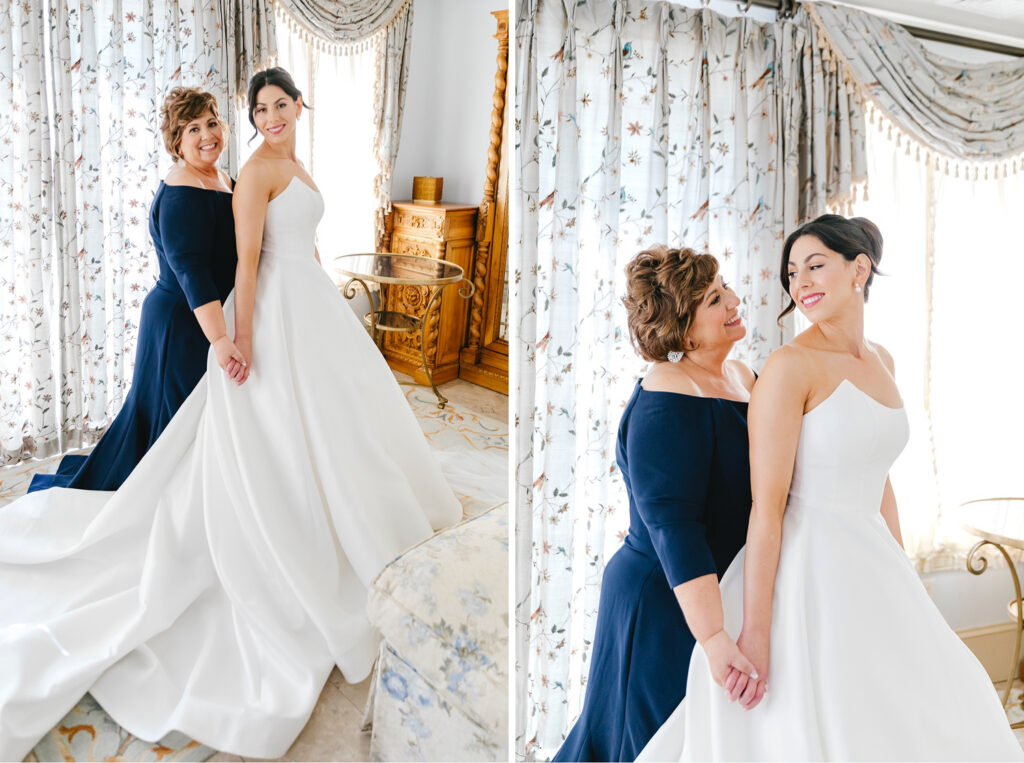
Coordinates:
977	564
380	321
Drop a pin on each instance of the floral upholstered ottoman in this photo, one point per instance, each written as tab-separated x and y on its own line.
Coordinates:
440	687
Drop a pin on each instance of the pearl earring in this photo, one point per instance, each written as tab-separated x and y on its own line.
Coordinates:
856	288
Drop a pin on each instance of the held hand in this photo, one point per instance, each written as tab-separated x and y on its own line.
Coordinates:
244	345
231	359
756	647
726	660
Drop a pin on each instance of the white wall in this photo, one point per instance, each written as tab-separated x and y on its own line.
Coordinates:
447	117
972	601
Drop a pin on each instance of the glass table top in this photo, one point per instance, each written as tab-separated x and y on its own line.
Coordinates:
384	267
1000	520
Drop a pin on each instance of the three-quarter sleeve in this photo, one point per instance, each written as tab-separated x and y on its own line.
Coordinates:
669	452
187	235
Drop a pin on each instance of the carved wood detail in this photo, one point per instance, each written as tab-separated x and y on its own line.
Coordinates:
485	217
442	231
429	223
484	356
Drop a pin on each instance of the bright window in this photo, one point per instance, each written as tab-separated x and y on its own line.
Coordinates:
956	361
335	140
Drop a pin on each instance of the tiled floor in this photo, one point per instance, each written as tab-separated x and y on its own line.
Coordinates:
477	399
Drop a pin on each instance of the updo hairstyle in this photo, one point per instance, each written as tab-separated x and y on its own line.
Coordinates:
181	106
663	290
849	237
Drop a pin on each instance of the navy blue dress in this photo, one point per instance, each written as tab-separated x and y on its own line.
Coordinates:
686	467
193	232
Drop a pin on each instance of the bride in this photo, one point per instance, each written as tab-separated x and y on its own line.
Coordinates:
852	659
216	589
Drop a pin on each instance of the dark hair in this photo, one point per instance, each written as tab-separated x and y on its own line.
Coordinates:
849	237
181	106
664	287
275	75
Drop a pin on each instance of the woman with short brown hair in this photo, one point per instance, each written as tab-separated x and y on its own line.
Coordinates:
193	232
682	449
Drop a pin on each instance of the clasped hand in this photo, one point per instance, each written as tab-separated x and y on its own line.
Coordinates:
739	667
234	358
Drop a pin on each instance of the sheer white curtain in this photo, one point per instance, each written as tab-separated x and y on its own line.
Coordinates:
335	137
948	310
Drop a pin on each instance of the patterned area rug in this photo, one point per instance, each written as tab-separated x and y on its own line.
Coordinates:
473	451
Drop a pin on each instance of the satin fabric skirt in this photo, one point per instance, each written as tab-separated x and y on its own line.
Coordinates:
214	591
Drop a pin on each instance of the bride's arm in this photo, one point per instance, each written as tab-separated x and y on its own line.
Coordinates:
252	194
701	602
774	419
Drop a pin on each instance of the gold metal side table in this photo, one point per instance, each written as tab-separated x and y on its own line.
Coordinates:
999	522
403	270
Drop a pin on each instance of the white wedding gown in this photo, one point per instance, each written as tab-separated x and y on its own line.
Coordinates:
863	665
216	589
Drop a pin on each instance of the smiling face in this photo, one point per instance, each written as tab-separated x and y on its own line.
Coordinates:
823	282
202	141
275	114
716	320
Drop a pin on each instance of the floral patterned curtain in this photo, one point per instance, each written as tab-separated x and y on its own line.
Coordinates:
27	392
638	122
78	170
966	111
249	41
251	35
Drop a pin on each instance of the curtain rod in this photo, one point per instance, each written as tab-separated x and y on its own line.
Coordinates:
787	7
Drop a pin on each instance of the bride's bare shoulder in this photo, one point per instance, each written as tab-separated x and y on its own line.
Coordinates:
792	365
256	168
257	178
884	356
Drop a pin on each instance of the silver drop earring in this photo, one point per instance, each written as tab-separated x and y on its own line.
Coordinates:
675	356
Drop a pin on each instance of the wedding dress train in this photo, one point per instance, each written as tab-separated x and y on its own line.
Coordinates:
216	589
863	665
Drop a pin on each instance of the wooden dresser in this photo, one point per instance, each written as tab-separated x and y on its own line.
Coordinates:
447	232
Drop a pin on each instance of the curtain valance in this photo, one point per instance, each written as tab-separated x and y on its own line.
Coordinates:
966	111
333	24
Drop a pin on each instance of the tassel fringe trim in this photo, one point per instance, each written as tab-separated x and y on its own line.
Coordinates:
335	46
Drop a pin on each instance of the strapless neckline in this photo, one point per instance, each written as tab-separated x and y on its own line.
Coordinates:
290	184
847	382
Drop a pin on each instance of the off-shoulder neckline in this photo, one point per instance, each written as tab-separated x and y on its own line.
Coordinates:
686	396
197	188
